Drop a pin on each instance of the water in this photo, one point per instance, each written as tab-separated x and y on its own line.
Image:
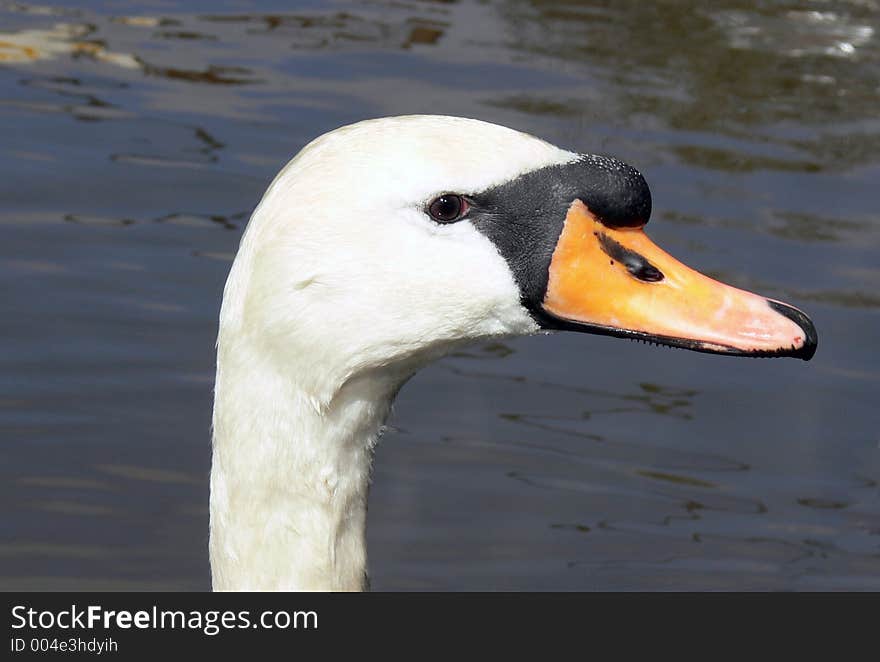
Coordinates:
138	136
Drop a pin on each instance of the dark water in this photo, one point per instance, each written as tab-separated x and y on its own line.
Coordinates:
137	136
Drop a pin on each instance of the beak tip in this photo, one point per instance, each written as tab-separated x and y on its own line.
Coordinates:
808	350
811	337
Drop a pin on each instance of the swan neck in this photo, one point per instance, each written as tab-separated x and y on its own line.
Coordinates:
289	482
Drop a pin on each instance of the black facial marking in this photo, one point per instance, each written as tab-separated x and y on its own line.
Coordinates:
634	262
525	216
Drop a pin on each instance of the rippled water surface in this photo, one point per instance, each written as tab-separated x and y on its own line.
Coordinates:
138	136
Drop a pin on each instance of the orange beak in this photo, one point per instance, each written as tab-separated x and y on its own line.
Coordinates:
616	281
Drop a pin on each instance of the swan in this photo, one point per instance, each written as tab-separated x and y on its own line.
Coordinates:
382	246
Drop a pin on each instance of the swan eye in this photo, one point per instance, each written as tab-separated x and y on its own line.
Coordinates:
448	208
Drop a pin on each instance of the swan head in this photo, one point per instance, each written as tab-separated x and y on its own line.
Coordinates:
383	244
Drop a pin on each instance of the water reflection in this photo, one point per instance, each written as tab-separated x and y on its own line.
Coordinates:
797	32
338	30
668	60
650	397
29	46
212	75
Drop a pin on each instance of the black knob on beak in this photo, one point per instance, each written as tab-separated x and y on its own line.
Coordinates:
614	191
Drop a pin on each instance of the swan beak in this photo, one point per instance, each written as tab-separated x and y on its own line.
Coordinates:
616	281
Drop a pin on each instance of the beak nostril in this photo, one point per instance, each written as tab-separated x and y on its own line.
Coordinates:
636	264
646	272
